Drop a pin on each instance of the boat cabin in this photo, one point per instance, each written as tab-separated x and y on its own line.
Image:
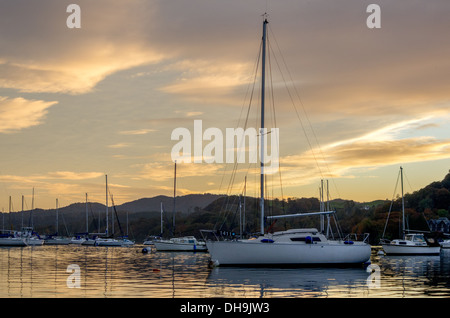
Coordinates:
307	235
411	239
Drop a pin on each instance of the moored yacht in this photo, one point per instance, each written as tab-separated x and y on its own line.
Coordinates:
294	247
186	243
445	244
31	238
306	246
9	239
113	242
411	243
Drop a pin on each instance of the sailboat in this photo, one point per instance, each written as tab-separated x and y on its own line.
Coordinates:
32	238
151	239
56	239
11	238
110	241
185	243
27	232
80	238
294	247
90	239
411	243
445	244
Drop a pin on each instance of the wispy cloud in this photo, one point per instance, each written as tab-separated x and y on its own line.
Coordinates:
389	145
70	175
19	113
119	145
137	132
72	61
208	81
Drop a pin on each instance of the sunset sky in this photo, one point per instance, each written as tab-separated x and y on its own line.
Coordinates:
76	104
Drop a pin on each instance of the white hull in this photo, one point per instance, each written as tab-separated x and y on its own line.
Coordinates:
412	244
113	242
168	246
89	242
77	241
34	242
12	241
445	244
391	249
58	241
254	252
180	244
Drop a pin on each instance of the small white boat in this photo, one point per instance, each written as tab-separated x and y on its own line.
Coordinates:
445	244
89	241
11	238
113	242
34	241
151	240
12	241
412	244
57	240
186	243
31	238
77	240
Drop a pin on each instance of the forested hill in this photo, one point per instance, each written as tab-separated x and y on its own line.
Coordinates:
210	211
430	202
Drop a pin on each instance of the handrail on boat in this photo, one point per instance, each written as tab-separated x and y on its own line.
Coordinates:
365	237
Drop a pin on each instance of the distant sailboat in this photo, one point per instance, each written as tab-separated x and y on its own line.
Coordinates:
411	243
27	232
11	238
152	239
110	241
445	244
31	237
186	243
55	239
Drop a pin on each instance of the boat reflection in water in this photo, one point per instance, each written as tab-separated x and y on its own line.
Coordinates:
290	282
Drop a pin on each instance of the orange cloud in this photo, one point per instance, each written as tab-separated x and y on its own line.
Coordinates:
19	113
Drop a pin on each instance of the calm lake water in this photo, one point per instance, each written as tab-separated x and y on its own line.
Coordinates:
111	272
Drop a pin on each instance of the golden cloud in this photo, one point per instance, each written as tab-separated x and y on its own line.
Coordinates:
51	58
208	81
19	113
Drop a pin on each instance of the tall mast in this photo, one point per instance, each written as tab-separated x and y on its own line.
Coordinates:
9	213
403	201
57	225
245	193
32	208
263	83
174	196
322	207
22	212
87	222
106	231
161	218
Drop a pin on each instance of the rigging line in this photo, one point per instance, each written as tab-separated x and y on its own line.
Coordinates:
234	170
256	66
407	180
275	120
305	113
298	116
392	202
